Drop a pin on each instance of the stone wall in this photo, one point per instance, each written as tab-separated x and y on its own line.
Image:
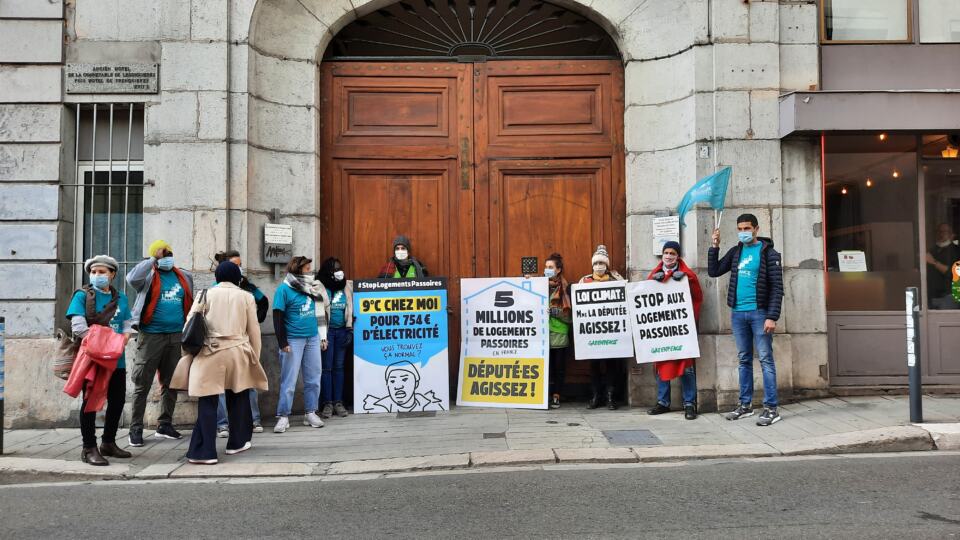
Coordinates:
233	134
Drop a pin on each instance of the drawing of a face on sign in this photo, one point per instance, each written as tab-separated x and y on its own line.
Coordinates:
402	380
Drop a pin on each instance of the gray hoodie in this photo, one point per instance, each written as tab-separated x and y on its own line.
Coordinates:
140	277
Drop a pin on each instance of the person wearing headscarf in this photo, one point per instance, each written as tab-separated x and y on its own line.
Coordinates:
263	304
228	363
164	297
301	329
673	267
99	302
603	371
403	265
339	336
561	317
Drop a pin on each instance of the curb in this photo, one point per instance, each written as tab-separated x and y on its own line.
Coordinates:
912	438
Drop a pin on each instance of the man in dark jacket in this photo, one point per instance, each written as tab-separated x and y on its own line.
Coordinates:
755	295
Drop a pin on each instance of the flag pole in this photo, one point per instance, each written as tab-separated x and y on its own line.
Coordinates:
718	219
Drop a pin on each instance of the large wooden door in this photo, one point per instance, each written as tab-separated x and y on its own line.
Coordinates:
479	164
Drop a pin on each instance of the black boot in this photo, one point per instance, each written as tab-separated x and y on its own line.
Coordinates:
594	400
690	412
611	402
93	457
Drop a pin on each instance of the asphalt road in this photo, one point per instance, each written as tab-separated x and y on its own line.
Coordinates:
907	496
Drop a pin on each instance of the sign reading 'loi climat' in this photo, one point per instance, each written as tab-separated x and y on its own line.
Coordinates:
503	357
400	345
601	320
663	322
112	78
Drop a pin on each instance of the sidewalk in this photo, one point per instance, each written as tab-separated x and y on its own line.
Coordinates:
472	438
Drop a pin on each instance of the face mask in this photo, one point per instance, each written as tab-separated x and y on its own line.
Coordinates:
99	281
944	244
400	254
243	271
549	272
338	275
745	236
599	269
669	260
165	263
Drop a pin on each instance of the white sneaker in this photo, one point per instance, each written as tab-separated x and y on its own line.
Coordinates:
282	424
257	428
312	420
243	448
202	461
223	432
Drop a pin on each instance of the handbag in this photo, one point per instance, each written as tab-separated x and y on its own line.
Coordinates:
195	331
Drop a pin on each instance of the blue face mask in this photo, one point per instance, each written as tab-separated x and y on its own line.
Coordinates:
99	281
549	272
745	236
165	263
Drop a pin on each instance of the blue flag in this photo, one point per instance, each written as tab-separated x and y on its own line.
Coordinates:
712	189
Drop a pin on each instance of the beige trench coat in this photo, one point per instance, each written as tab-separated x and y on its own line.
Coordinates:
230	358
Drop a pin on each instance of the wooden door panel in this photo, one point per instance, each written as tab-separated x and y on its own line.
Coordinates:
542	206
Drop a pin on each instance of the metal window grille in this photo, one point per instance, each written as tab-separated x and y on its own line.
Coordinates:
108	190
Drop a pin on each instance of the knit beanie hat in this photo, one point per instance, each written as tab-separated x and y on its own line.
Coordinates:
229	272
672	244
401	240
101	260
157	244
601	256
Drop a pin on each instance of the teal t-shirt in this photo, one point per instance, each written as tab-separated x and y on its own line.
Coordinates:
168	316
338	308
78	306
747	273
299	310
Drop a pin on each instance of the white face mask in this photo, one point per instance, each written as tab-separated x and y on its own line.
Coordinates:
599	269
338	275
944	244
669	260
400	254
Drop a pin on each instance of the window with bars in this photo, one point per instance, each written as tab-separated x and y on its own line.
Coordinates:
108	193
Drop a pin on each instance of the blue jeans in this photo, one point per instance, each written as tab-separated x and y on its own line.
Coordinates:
304	356
688	386
749	336
222	421
331	380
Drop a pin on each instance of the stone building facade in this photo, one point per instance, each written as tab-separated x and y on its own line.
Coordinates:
233	133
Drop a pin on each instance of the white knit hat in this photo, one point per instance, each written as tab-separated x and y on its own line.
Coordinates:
601	256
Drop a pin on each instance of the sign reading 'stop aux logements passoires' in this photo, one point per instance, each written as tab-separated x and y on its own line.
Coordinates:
663	321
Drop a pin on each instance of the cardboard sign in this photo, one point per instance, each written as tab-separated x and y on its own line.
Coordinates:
662	319
505	348
400	346
601	320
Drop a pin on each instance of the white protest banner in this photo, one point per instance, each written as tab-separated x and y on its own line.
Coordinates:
601	320
662	320
400	346
503	356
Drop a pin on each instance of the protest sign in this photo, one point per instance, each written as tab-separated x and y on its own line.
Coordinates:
400	345
662	320
601	320
503	356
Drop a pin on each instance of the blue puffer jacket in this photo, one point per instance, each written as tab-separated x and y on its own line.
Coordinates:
769	282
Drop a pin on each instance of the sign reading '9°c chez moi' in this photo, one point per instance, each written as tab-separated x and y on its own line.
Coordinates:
663	323
503	357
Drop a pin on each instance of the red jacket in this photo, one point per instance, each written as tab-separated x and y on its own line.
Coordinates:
671	369
96	361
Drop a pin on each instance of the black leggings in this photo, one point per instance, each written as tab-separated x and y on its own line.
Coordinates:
558	359
116	395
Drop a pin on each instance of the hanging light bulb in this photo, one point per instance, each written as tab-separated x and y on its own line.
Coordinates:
843	191
883	136
869	182
896	173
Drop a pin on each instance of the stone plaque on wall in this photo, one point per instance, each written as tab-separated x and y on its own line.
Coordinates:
112	78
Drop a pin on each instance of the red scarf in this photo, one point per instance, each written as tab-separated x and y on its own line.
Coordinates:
154	295
671	369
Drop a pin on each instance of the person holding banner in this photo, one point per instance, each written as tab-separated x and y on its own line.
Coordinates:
672	267
339	337
603	370
402	265
755	295
561	316
301	330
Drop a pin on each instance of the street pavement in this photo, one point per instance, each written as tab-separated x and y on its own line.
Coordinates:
470	437
915	495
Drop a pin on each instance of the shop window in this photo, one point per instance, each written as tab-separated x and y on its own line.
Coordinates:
939	21
942	146
942	259
872	237
107	198
861	21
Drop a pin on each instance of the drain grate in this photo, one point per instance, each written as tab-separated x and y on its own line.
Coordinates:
417	414
500	435
632	437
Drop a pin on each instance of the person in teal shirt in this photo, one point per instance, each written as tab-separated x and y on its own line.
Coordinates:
100	303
